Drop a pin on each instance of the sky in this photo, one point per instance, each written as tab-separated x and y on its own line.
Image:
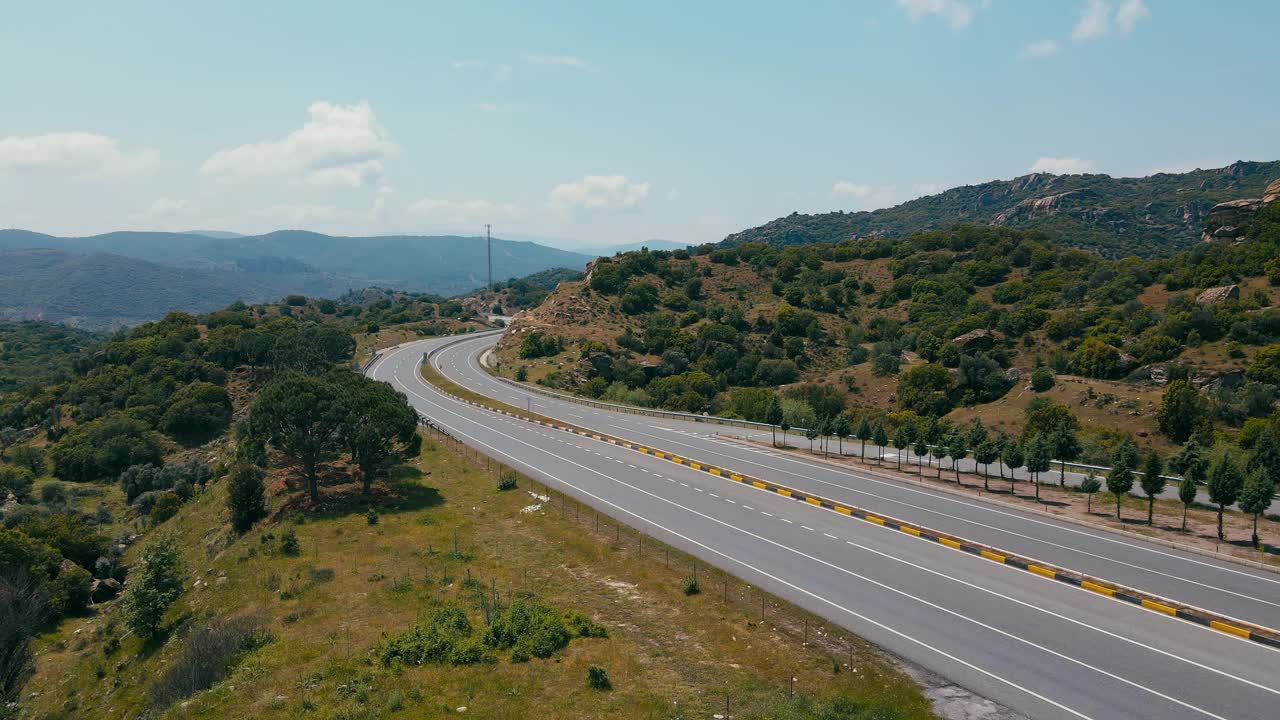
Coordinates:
589	123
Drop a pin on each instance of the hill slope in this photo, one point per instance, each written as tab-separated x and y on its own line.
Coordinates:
1149	216
99	291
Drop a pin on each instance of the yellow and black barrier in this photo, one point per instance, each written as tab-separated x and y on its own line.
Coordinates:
1154	603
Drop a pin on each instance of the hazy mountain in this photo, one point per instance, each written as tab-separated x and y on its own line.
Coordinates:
1154	215
445	265
99	291
217	234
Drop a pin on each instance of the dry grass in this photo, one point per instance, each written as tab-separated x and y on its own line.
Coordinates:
667	654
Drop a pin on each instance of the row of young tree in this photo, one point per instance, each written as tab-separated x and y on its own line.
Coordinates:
1052	436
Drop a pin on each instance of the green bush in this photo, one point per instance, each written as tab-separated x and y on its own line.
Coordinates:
165	507
690	586
535	628
289	542
443	637
507	481
245	497
598	678
583	626
1041	379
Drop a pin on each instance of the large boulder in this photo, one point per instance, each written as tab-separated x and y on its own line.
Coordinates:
1272	193
104	589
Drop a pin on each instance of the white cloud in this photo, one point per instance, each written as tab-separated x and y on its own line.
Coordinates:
956	13
1094	21
570	61
380	202
297	214
83	154
1039	49
341	145
490	107
462	212
1063	165
1130	12
863	196
161	209
598	192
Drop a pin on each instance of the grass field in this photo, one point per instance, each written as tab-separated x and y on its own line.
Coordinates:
445	534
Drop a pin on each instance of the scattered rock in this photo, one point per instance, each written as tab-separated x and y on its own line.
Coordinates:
104	589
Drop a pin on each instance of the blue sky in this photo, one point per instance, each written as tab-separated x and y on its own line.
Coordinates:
599	123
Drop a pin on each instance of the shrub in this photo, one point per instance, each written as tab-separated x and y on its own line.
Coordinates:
583	626
54	494
507	481
371	517
153	586
289	542
536	628
245	497
165	507
208	653
443	637
17	481
1041	379
690	586
598	678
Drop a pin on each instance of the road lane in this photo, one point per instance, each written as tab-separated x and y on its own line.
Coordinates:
1235	590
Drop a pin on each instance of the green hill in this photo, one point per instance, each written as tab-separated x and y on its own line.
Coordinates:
1150	216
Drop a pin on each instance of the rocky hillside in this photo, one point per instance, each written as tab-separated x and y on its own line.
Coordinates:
972	320
1150	216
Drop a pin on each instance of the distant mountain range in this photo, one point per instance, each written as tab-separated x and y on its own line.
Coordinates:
125	277
1155	215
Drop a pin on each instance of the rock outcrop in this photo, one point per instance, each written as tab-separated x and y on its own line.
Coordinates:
1272	193
1213	296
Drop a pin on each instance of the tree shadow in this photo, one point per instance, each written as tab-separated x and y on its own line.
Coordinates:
400	490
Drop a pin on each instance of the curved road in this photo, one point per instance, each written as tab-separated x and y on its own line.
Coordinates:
1043	648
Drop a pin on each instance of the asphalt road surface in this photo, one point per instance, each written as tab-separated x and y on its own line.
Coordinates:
1043	648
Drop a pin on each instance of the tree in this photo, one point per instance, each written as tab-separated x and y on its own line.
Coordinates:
1039	455
1013	457
841	428
1041	379
958	449
245	496
1187	491
920	447
987	452
881	437
824	432
926	389
1255	498
379	426
977	434
864	430
774	417
811	434
1152	482
1094	358
1090	486
29	457
1182	409
17	481
302	417
1225	480
902	440
1065	446
153	586
104	447
197	411
1265	367
1120	477
22	609
1265	457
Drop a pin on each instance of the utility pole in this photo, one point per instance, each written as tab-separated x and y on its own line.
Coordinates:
488	252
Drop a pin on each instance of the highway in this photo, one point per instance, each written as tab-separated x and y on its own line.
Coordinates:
1040	647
